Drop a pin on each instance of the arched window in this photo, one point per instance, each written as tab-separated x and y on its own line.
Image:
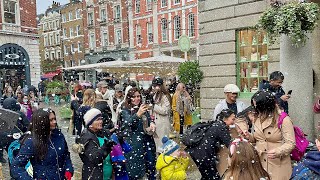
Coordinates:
191	28
177	27
164	29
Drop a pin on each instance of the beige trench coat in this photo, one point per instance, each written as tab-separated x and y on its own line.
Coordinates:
268	137
161	112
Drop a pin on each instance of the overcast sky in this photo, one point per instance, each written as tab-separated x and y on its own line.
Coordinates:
42	5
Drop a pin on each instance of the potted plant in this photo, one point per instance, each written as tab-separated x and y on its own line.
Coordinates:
294	19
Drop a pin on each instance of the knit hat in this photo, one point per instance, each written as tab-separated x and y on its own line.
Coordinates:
169	146
91	115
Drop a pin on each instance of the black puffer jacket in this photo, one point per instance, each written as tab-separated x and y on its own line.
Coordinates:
21	126
93	154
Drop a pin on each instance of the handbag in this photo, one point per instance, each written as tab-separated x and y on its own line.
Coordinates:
316	106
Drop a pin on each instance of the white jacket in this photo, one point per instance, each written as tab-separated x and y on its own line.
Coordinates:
223	105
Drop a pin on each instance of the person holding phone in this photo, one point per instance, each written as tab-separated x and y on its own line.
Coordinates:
138	128
274	86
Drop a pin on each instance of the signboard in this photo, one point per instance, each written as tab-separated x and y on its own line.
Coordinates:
184	43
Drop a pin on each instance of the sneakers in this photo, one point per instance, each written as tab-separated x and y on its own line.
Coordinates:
2	160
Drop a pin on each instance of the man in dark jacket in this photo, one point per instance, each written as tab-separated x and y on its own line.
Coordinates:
6	138
274	86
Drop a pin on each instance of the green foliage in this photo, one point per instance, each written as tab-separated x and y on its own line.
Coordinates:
189	72
293	19
65	112
55	87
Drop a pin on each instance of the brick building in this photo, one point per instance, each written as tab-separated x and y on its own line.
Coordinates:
19	51
50	39
72	33
158	25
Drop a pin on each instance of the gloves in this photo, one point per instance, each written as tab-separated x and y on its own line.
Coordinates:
108	144
68	175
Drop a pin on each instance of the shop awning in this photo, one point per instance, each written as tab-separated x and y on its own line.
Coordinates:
163	64
50	75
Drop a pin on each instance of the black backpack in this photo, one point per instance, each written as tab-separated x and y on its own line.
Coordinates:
193	136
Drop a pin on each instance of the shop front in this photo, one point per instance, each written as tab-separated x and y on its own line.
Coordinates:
14	66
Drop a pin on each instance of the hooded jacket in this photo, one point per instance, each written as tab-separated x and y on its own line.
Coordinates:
309	168
52	167
172	168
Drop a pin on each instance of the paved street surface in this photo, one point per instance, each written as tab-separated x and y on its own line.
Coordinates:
193	173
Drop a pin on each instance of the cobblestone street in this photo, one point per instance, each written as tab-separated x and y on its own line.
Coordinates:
193	173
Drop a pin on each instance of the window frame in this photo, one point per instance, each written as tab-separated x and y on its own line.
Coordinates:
248	80
90	19
148	5
176	27
117	42
175	2
150	32
92	40
78	14
70	16
137	8
162	3
138	34
103	18
104	43
191	25
15	13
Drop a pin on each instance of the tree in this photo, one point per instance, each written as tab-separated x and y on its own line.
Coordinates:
189	73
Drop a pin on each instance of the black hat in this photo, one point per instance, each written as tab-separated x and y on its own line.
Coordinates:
157	81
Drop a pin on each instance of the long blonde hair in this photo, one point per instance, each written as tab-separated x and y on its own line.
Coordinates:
245	163
89	98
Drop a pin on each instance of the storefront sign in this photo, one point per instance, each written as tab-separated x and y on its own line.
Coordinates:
12	63
12	56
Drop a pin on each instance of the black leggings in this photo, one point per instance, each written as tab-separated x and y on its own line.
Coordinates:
208	170
181	124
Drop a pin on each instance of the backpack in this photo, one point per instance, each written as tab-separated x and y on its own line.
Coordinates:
193	136
301	141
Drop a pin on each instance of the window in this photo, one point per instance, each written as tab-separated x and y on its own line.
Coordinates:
118	39
53	56
164	3
252	60
45	40
79	47
103	15
58	54
90	19
57	24
137	6
150	33
64	33
138	32
54	25
164	29
191	31
149	5
78	30
176	28
117	13
65	49
104	38
176	1
44	27
71	32
58	38
64	18
50	40
78	13
92	40
70	16
72	48
47	55
10	10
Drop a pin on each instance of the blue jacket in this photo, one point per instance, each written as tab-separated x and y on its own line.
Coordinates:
309	168
51	167
277	92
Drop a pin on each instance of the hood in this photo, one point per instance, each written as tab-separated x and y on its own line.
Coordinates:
312	161
11	104
164	161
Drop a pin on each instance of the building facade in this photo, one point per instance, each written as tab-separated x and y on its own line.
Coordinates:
19	51
158	25
232	52
51	53
72	33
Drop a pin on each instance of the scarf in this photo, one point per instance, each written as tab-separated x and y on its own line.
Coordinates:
183	105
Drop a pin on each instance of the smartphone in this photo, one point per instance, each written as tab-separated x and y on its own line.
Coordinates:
289	92
143	100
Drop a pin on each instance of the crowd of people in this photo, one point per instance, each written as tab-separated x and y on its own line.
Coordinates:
123	132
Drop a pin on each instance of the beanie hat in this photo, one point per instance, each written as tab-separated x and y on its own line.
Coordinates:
91	115
169	146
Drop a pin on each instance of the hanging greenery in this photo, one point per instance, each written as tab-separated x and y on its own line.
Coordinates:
189	73
293	19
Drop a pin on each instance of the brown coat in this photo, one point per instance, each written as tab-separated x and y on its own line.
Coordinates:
268	136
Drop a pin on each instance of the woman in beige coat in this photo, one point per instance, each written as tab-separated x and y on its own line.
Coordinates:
274	145
161	111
